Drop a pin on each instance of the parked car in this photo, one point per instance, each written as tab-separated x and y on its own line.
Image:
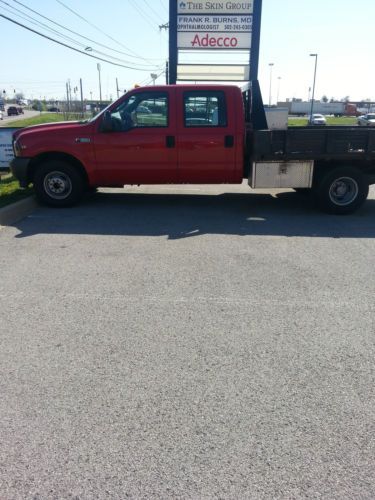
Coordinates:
143	110
367	120
12	111
53	109
1	115
317	119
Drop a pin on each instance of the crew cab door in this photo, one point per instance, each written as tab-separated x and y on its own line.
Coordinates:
206	136
140	148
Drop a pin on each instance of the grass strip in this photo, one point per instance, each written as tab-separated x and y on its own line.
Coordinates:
45	118
10	191
344	121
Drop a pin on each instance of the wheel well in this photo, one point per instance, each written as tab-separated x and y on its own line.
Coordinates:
44	157
323	167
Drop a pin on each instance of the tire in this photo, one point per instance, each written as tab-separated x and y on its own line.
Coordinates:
58	184
341	191
303	191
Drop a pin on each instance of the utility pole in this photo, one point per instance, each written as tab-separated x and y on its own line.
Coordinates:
313	92
70	91
167	72
67	97
80	84
271	65
117	89
100	83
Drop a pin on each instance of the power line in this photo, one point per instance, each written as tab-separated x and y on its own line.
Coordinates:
164	7
140	10
94	26
152	79
69	47
32	20
152	9
78	34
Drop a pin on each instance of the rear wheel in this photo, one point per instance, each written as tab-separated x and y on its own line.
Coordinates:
341	191
303	191
58	184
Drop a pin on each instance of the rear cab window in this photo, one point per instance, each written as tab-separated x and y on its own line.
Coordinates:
205	109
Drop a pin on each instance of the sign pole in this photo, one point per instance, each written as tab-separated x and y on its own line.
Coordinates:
173	53
255	45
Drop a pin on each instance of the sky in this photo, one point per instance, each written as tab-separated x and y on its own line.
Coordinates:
339	31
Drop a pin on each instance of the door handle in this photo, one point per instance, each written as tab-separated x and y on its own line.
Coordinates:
229	141
170	141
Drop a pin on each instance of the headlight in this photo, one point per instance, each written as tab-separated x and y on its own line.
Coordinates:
17	148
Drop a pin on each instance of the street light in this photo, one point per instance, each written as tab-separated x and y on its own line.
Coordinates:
271	65
278	88
313	91
100	83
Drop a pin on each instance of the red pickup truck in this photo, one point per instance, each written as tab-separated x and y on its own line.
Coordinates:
200	134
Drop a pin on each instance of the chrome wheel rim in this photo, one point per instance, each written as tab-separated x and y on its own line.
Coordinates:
57	185
343	191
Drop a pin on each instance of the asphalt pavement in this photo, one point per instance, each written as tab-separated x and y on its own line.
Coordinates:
188	342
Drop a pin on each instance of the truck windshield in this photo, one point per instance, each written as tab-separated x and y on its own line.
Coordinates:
89	120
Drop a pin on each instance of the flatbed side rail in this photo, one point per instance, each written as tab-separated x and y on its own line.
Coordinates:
331	143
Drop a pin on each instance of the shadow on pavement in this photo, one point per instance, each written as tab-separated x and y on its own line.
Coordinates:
186	215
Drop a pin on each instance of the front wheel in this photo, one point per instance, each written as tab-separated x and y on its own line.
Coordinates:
342	191
58	184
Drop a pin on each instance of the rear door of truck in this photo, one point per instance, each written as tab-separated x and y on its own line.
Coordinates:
206	135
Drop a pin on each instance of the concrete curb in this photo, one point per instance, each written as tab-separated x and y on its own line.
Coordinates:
16	211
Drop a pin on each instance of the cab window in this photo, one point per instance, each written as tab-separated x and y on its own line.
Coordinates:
141	110
205	109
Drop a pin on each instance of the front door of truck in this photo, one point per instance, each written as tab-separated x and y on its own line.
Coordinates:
140	147
206	136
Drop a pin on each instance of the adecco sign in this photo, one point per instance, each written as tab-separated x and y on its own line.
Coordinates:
214	41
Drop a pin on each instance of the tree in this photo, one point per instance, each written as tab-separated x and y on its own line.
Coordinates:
345	99
19	95
324	99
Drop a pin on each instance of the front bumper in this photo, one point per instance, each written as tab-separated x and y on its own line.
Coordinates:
20	170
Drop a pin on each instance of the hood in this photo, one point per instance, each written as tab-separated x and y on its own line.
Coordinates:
51	127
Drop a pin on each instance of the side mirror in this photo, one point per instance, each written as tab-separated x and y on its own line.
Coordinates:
107	122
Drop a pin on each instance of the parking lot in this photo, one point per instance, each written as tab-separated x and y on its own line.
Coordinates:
188	342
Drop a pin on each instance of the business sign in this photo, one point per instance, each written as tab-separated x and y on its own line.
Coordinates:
6	148
225	31
215	24
227	7
218	41
212	26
